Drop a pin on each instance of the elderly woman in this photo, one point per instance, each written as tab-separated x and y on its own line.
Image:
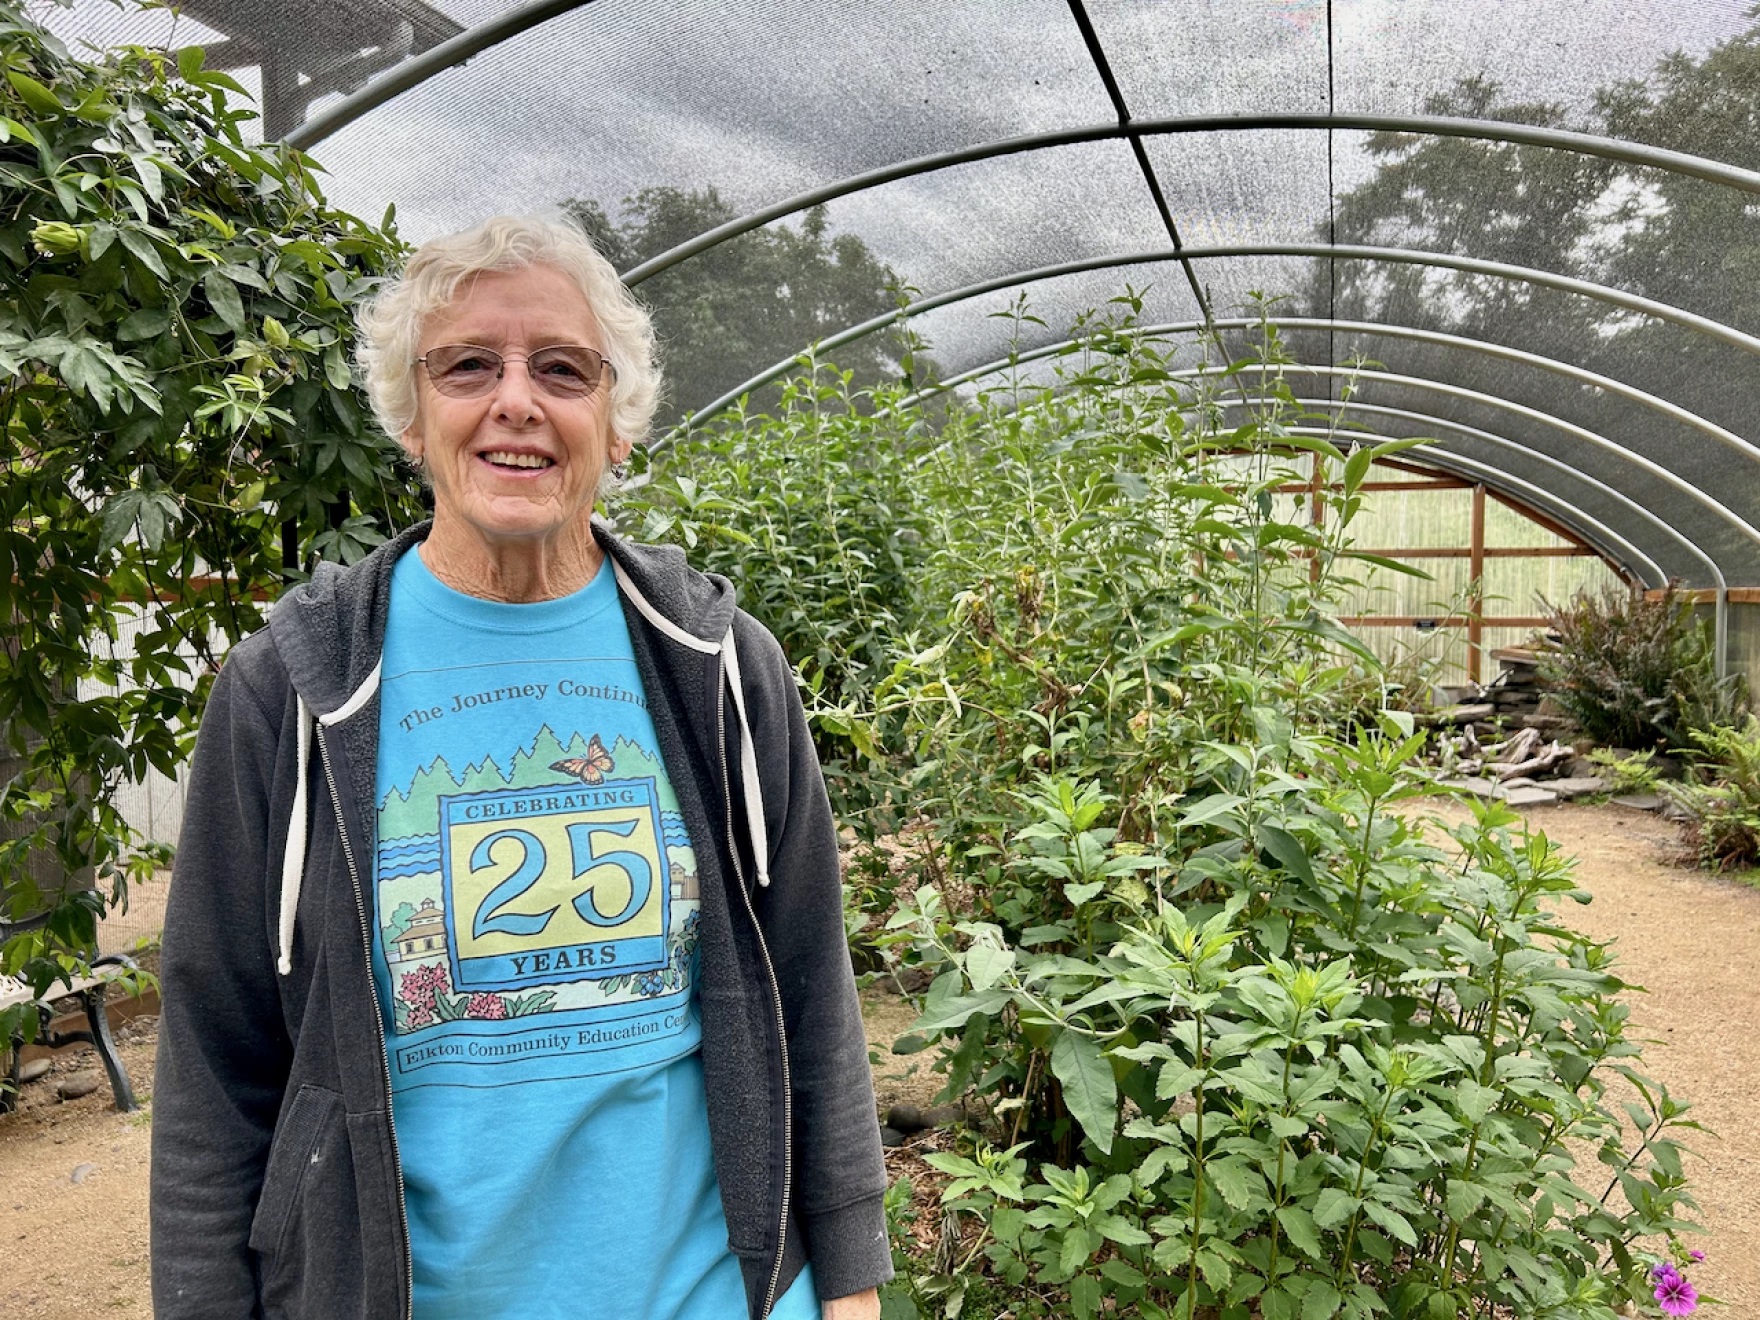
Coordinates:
504	969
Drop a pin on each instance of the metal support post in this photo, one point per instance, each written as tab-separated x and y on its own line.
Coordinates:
1476	619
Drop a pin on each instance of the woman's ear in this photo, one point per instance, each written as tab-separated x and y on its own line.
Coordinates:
619	449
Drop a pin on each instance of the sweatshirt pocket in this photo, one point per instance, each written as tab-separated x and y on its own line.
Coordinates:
305	1139
306	1231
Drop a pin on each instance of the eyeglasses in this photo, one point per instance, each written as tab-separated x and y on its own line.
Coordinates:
565	371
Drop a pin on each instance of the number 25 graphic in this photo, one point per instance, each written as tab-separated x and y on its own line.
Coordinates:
584	855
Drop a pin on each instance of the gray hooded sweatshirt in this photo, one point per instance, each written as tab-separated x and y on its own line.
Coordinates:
276	1189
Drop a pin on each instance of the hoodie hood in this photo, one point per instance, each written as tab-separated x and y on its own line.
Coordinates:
330	634
330	631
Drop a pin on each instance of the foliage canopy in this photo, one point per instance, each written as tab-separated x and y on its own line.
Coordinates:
180	435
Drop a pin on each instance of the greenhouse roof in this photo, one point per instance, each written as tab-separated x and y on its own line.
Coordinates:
1539	219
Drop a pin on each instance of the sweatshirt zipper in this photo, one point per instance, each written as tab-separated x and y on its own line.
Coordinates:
775	992
360	904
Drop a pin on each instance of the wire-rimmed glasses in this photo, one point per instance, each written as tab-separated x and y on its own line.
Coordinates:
565	371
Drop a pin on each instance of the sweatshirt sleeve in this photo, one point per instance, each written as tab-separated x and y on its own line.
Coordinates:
840	1175
224	1051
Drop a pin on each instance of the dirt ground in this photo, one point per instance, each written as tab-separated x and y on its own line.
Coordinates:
75	1250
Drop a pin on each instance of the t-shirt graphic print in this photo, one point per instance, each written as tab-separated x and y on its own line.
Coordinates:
535	903
557	897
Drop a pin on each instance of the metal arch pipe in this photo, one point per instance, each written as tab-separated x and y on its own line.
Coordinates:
1745	448
1720	613
1429	336
1498	269
1717	574
1570	511
401	77
1536	415
1504	442
1720	640
1490	130
1446	461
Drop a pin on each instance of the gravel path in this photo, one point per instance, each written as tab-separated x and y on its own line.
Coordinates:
76	1250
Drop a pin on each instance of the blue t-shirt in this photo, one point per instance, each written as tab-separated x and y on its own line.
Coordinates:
535	897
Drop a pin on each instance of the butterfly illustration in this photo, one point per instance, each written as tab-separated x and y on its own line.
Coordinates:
591	768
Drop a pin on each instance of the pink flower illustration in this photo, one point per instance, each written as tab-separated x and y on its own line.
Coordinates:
417	992
492	1007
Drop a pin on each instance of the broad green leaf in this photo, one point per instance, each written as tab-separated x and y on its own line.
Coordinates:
152	179
1334	1207
1079	894
189	62
1234	1179
1123	1273
1474	1101
954	1011
34	94
1217	1272
223	298
1394	565
1321	1301
1075	1249
1208	809
1299	1224
1089	1090
1084	1295
986	965
1391	1222
1356	467
1176	1078
143	323
1288	851
1463	1199
141	247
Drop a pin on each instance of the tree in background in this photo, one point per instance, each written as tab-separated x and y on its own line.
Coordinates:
1665	236
179	435
746	304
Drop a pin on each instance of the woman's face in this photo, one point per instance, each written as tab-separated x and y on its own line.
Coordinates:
518	462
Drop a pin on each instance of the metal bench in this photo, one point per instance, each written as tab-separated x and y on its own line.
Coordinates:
90	990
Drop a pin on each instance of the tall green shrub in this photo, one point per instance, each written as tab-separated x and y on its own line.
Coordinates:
180	433
1251	1042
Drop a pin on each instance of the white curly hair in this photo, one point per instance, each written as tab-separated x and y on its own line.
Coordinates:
391	323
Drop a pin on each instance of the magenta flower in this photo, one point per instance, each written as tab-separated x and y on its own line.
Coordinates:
1674	1294
1665	1272
1696	1255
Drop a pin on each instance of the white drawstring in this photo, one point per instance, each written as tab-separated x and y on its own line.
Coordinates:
748	755
293	858
748	766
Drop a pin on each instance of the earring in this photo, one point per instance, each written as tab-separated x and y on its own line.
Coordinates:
620	472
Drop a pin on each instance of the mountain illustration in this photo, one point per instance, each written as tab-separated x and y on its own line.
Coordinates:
417	810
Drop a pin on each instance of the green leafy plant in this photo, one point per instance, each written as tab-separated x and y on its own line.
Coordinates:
1252	1040
181	435
1627	771
1723	802
1637	672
